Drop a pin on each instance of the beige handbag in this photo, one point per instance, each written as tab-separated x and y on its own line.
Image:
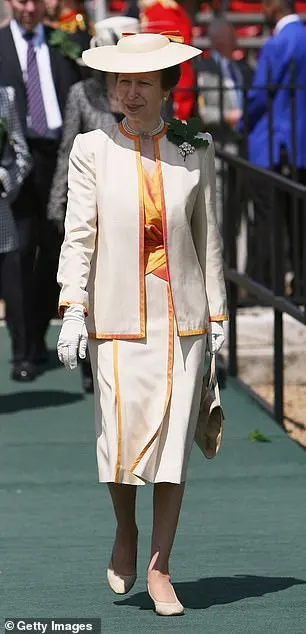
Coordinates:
209	429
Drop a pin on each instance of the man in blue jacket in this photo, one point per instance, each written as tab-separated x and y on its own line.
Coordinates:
277	140
284	50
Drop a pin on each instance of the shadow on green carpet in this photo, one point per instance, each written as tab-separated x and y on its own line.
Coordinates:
205	593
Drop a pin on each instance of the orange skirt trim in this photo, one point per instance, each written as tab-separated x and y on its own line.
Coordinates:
169	380
118	409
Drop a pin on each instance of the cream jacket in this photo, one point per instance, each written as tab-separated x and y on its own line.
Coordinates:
102	257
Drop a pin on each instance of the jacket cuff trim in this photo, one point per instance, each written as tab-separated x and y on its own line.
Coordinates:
189	333
218	318
63	305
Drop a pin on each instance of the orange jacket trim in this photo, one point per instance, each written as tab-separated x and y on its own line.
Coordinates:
141	238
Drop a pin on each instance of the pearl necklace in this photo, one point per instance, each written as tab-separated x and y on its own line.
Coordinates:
137	133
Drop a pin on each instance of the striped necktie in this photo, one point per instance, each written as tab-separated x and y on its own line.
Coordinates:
234	75
35	102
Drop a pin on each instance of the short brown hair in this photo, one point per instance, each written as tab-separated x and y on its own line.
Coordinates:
170	77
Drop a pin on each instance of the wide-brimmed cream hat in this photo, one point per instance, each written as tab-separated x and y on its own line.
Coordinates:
140	53
109	30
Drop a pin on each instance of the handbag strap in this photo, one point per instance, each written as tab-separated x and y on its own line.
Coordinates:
211	378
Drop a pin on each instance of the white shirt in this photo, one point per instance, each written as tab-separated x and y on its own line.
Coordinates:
53	113
234	88
287	19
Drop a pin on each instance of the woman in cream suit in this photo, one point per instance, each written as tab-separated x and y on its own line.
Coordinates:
141	275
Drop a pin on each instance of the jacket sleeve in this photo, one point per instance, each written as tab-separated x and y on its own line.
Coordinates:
271	60
72	126
80	226
206	235
18	163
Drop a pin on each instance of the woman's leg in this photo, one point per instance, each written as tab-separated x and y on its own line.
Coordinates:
167	500
125	546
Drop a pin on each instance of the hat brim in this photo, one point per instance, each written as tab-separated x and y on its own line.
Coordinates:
111	60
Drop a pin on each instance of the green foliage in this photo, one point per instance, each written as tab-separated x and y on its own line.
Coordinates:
66	46
186	132
257	436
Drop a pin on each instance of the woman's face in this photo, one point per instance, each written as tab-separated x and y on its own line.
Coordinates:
140	96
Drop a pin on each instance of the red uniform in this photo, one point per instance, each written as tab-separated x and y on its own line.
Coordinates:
167	15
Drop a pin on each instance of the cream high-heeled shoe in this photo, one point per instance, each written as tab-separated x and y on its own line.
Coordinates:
163	608
120	584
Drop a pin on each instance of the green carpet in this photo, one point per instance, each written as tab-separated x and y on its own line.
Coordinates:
239	562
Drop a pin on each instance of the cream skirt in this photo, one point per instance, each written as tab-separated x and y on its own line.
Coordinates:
147	397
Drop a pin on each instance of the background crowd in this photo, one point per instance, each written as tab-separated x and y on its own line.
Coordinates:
47	97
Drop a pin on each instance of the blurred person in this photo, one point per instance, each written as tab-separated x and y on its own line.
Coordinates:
157	16
73	20
15	164
286	45
5	13
52	8
284	50
116	7
42	76
220	83
132	9
91	104
245	30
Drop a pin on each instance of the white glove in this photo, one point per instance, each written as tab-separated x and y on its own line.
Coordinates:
73	337
216	336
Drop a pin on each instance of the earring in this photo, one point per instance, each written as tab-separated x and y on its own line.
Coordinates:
165	98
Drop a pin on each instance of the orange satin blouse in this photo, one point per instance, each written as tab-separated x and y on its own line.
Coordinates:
154	248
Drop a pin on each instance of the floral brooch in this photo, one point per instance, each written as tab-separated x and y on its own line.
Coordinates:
66	46
185	134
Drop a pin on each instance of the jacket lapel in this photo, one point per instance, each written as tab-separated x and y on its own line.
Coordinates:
8	57
11	73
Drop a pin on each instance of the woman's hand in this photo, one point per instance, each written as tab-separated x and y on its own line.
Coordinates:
216	336
73	337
